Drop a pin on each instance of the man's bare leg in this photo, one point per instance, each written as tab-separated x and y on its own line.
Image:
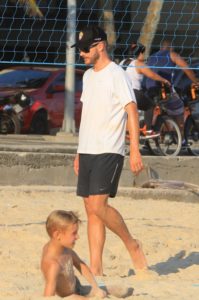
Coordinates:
98	205
96	238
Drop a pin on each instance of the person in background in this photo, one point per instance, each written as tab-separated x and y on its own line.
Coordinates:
165	62
136	69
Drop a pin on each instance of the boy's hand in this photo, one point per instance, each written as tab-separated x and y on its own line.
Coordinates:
101	293
98	292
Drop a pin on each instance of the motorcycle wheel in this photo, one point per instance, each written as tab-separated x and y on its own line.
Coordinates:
9	124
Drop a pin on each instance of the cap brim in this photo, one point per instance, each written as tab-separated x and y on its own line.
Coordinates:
81	44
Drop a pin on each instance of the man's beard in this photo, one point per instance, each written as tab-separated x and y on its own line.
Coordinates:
92	60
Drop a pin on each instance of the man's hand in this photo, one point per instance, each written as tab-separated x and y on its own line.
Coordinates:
167	82
76	164
195	84
136	163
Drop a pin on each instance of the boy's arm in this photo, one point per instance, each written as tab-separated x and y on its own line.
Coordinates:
51	279
86	272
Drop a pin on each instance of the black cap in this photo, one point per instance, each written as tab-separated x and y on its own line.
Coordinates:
90	35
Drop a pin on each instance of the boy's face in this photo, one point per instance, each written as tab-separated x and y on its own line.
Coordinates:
68	237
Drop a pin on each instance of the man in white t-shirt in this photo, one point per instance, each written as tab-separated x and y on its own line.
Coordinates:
107	99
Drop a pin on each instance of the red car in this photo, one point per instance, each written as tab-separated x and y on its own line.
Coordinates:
45	86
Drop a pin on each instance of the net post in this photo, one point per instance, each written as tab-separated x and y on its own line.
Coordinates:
68	125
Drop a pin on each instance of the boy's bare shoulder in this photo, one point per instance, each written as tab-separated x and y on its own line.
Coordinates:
45	252
50	267
48	261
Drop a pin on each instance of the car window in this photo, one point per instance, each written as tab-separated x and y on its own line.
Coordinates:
60	80
23	78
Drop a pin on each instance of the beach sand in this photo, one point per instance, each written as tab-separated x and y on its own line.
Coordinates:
169	232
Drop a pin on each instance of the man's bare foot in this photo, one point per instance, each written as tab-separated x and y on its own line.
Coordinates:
137	255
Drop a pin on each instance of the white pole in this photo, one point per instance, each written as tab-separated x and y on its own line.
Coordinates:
69	122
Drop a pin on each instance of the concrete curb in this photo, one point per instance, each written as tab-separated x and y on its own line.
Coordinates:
34	168
179	195
45	163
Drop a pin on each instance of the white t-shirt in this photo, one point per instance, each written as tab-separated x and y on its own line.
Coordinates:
135	77
103	121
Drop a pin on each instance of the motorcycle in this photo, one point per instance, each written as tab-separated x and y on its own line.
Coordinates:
10	107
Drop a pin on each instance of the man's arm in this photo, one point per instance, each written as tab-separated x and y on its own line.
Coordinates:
134	133
150	74
180	62
51	279
76	164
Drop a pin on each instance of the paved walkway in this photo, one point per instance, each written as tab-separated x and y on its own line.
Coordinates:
62	143
43	162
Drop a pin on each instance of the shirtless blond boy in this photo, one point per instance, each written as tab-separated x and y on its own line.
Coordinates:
58	258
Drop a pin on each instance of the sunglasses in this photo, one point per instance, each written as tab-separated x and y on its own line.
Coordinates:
87	49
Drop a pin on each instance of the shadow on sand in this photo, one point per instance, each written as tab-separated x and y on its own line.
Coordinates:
174	263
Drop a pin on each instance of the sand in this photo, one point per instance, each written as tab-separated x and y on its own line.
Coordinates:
169	232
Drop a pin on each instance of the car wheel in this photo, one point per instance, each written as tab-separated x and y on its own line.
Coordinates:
39	123
9	124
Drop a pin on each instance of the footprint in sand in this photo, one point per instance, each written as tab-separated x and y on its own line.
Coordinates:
145	274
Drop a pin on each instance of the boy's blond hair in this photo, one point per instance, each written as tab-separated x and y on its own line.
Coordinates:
59	220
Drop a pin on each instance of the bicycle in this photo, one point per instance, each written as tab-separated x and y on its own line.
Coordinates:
143	135
168	139
191	121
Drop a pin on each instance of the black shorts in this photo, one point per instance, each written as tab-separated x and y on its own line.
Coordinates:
99	174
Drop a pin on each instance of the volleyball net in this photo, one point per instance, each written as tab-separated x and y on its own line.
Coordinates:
35	32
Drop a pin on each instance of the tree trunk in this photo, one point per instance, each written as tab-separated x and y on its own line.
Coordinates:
151	22
107	21
31	8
